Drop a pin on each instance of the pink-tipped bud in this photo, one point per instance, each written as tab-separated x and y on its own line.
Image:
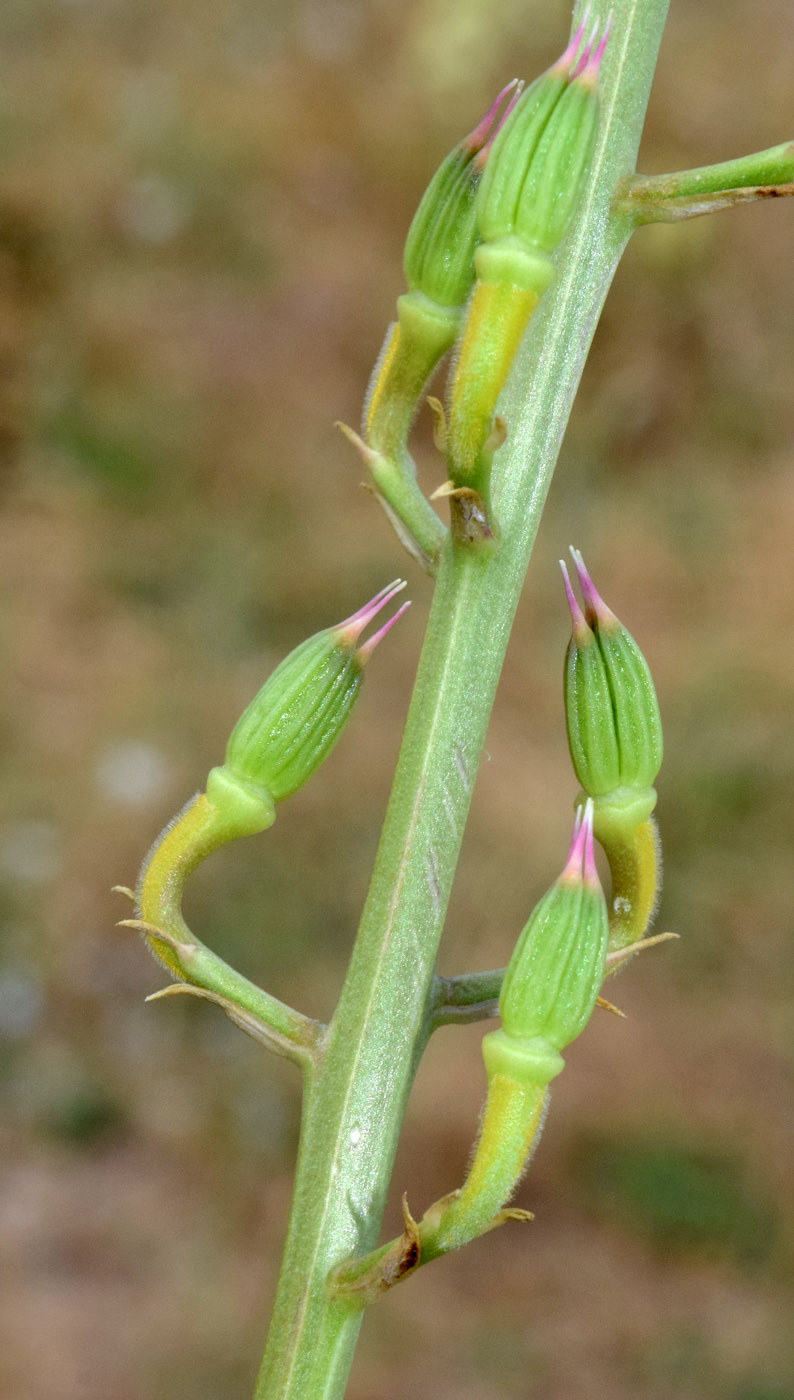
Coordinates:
579	626
348	632
611	711
589	73
295	720
567	60
597	613
439	250
553	977
364	652
535	173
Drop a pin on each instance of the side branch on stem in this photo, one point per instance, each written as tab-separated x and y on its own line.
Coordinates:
461	1000
647	199
197	831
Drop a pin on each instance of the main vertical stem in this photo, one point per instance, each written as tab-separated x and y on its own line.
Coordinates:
355	1102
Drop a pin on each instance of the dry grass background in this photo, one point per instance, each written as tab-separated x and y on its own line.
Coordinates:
201	217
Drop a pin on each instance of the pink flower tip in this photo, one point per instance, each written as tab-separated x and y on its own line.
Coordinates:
364	652
589	871
587	72
596	610
479	140
581	631
349	631
580	866
568	58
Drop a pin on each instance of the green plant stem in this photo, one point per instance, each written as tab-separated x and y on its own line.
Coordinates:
471	996
512	1120
686	194
355	1101
197	831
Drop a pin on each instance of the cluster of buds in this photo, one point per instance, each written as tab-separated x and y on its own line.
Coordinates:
529	192
439	271
552	981
477	260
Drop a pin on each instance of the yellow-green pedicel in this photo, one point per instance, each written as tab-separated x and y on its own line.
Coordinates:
548	994
439	272
528	195
615	739
281	738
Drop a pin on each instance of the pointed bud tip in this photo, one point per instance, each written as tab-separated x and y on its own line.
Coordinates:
364	652
580	866
581	631
587	72
515	88
572	872
568	57
480	138
589	871
596	610
584	58
349	630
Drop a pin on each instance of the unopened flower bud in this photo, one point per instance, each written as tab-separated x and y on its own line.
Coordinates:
611	710
530	187
557	965
439	250
553	977
536	168
298	715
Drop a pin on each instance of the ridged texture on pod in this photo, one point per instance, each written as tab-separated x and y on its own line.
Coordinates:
296	718
611	710
553	977
535	170
290	726
439	249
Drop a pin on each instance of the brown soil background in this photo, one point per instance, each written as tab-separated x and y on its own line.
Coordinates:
201	217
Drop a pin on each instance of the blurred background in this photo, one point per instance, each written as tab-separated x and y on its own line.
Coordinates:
202	210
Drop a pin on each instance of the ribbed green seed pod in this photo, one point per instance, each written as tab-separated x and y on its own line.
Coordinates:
554	180
531	185
536	167
611	710
588	710
439	249
557	966
296	718
512	154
